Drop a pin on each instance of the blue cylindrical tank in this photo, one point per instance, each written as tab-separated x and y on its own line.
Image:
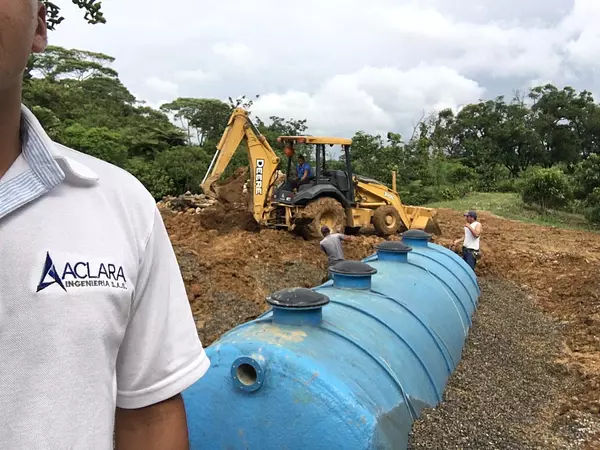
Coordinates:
419	240
347	365
426	293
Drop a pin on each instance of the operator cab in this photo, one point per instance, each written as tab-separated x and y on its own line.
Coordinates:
335	183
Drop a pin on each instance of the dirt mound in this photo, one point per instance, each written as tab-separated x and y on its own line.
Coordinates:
232	189
225	217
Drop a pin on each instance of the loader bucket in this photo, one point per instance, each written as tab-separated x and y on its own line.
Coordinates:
433	227
424	219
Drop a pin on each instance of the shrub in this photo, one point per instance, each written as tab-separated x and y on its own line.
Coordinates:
587	176
547	188
592	207
460	174
490	175
509	185
418	194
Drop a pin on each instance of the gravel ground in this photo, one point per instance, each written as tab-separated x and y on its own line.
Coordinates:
507	390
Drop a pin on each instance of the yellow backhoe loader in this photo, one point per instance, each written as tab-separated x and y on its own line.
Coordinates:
344	201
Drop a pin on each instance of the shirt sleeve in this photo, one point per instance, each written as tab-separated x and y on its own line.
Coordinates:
161	354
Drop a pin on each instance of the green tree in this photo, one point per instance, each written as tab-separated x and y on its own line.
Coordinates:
92	9
100	142
567	122
547	188
587	176
203	119
184	165
152	176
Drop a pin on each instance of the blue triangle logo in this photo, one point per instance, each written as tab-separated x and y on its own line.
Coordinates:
48	274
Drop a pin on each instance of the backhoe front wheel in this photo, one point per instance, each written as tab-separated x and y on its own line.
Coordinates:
324	211
386	220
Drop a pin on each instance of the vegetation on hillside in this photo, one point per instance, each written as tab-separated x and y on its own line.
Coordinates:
543	146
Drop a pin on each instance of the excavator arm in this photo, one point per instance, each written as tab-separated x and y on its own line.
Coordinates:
262	159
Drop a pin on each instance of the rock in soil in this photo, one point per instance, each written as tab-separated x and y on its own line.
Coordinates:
507	388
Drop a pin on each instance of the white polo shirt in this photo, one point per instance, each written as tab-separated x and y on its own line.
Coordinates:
93	309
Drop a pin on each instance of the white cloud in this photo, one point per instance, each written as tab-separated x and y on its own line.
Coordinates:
235	53
161	86
373	99
345	65
197	75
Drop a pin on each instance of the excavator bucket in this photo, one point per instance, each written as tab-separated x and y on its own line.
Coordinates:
232	190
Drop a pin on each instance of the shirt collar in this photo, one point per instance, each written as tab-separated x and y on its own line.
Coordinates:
47	158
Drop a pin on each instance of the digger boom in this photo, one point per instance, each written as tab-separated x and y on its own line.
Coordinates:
263	162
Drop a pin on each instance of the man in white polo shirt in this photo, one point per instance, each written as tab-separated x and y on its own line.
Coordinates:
96	332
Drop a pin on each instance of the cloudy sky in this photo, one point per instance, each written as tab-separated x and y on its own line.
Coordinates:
345	65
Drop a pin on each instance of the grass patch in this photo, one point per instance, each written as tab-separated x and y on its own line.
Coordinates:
511	206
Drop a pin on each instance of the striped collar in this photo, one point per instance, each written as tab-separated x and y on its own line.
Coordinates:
48	167
38	146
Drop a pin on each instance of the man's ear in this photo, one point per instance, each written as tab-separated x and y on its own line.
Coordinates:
40	40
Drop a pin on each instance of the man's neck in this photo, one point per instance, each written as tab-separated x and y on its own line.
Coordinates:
10	128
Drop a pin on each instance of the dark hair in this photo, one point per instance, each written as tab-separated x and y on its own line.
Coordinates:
325	230
301	157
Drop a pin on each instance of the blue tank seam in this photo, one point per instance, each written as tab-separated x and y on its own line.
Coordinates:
338	332
473	302
437	391
468	316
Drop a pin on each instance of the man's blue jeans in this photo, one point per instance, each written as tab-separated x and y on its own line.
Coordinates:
469	257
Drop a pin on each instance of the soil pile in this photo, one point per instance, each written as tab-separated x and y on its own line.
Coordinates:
226	218
229	271
188	203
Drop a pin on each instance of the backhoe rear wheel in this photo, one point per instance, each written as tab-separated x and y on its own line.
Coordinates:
386	220
324	211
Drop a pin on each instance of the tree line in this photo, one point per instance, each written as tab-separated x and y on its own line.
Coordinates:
544	144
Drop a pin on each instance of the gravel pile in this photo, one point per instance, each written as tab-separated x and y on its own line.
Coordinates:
507	390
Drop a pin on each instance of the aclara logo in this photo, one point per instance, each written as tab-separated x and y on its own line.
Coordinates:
258	177
81	274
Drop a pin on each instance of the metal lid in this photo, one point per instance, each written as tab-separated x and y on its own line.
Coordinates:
353	268
298	298
394	247
416	234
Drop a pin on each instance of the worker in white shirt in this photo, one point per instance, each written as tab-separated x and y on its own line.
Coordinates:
470	249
